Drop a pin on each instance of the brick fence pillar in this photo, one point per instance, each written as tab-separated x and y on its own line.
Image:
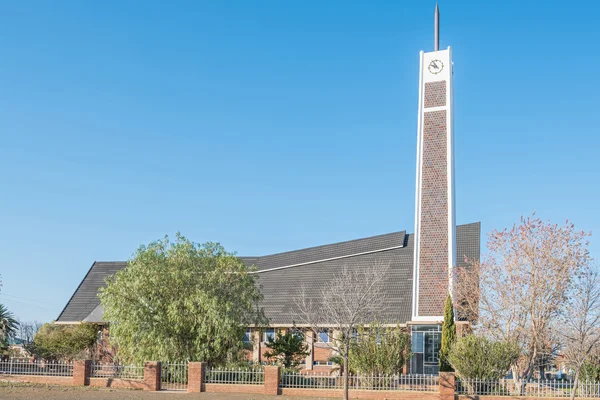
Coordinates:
196	371
81	372
447	386
272	380
152	378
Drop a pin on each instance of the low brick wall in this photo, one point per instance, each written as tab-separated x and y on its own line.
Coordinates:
227	388
196	374
119	383
477	397
45	380
362	394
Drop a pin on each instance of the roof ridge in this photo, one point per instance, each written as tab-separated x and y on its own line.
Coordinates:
328	244
330	259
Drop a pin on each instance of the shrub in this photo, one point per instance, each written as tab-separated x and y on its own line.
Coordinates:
379	350
288	349
478	357
59	342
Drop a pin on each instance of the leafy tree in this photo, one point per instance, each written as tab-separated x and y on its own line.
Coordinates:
8	327
379	350
448	336
481	358
63	342
289	348
181	301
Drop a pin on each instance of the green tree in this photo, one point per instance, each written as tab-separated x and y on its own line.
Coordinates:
289	349
379	350
590	372
63	342
448	335
180	301
478	357
8	327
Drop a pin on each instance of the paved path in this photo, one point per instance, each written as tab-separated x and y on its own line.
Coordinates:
42	392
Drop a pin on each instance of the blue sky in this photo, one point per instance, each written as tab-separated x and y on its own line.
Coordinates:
275	125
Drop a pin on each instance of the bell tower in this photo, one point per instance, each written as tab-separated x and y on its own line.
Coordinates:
434	245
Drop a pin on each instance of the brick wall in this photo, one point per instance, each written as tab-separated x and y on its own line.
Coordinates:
322	352
81	377
361	394
44	380
118	383
475	397
433	230
225	388
103	350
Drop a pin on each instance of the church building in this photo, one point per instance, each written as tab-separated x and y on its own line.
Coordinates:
420	263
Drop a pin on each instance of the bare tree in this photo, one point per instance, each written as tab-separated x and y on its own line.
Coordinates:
579	325
353	297
522	286
27	330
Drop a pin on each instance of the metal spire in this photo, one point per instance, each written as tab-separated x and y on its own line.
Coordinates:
436	29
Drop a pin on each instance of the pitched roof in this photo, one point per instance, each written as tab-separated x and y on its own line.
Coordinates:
280	274
85	299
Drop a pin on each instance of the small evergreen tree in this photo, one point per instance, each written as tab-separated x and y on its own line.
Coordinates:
448	336
289	349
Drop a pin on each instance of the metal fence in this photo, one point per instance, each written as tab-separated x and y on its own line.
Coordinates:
532	388
174	376
421	383
248	376
25	367
99	370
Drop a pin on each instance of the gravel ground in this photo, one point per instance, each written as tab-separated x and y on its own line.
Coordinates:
19	391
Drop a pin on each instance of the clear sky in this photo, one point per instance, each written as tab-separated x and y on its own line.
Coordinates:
275	125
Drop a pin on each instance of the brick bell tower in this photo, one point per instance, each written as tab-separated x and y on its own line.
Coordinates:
434	244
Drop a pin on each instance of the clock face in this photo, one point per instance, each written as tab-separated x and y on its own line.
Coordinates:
435	67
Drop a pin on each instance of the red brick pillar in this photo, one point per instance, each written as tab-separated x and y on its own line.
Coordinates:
81	372
152	370
196	372
272	380
447	385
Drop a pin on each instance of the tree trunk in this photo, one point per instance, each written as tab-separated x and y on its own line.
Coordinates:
518	382
575	384
346	376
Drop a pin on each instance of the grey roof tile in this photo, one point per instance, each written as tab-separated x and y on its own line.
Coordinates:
85	299
280	285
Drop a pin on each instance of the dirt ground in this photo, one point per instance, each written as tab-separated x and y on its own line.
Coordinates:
17	391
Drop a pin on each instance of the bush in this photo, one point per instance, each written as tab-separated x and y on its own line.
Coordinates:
590	372
63	342
477	357
378	350
288	349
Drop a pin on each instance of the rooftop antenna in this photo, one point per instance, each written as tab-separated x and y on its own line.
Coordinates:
436	28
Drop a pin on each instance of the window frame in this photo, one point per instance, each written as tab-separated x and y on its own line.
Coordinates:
248	334
266	335
320	339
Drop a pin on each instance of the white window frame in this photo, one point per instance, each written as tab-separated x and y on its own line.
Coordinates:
328	336
267	333
249	335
